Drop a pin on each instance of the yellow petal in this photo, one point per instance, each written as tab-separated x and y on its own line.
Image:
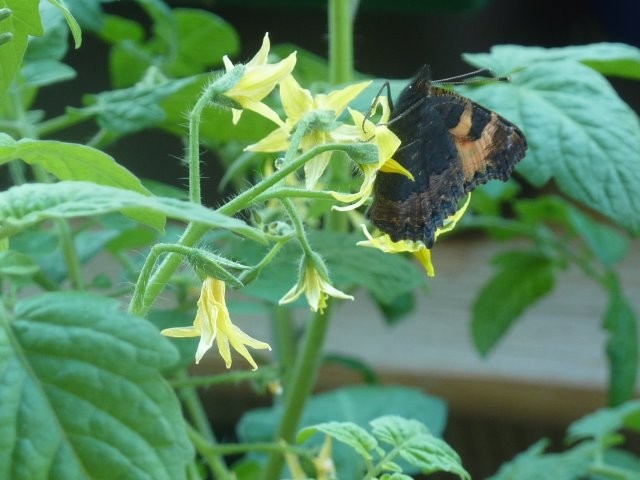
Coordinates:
296	100
424	257
391	166
276	141
181	332
314	169
359	197
260	58
339	99
387	143
228	65
257	82
223	347
292	295
265	111
235	115
208	329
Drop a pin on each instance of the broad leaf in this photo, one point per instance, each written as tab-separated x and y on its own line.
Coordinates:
622	345
604	423
412	441
134	108
580	134
357	404
533	464
28	204
70	161
346	432
616	59
83	396
522	279
23	21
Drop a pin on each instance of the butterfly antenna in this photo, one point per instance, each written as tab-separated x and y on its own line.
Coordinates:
375	101
468	78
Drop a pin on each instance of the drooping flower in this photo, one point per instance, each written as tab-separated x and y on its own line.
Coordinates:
258	80
297	102
418	249
212	322
315	285
387	143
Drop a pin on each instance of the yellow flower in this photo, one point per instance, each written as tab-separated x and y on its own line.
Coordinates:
213	322
315	286
387	143
257	81
418	249
297	102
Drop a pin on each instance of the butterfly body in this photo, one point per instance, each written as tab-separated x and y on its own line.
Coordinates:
450	145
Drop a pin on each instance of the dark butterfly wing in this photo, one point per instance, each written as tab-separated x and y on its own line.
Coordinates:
450	145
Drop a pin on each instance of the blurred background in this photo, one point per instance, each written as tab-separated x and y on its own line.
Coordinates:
551	368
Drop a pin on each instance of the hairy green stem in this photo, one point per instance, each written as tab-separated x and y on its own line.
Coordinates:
152	284
282	322
62	122
301	236
70	254
302	381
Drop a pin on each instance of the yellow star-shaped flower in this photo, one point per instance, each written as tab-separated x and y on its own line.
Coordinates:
297	102
212	322
258	80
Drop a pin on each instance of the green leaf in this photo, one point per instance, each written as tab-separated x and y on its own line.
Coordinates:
395	476
70	161
23	21
603	241
83	396
73	24
415	444
131	109
53	45
356	404
616	59
186	346
119	29
534	465
398	308
310	68
16	264
28	204
88	13
523	277
40	73
580	134
605	422
203	39
346	432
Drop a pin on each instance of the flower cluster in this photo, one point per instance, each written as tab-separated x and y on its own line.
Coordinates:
313	120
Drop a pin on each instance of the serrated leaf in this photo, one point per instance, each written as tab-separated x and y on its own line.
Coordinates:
580	134
617	59
83	396
23	21
534	465
356	404
131	109
203	38
522	279
346	432
622	345
415	444
28	204
604	423
395	476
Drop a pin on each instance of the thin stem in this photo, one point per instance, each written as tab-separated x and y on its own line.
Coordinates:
213	459
302	380
282	322
193	147
293	192
340	41
70	253
266	372
297	226
60	123
236	448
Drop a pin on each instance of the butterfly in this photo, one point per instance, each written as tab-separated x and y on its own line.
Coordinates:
451	145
